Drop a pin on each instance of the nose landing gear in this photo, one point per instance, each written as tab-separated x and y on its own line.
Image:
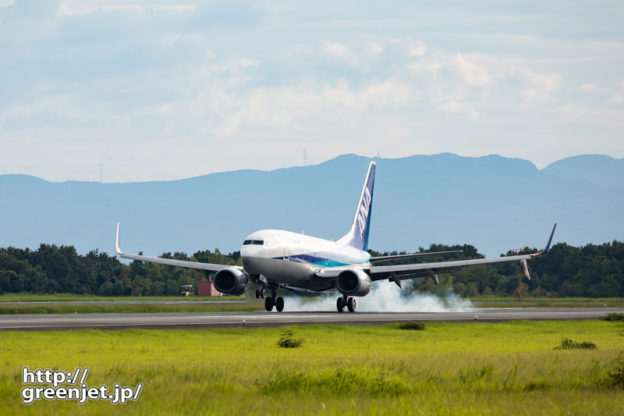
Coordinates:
343	301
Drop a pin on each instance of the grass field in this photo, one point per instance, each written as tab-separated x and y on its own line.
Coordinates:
61	297
543	302
446	369
65	303
127	308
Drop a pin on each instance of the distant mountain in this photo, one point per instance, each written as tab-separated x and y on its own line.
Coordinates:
601	170
493	202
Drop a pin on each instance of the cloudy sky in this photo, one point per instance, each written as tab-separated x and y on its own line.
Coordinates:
146	90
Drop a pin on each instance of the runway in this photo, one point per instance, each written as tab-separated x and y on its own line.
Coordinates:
264	319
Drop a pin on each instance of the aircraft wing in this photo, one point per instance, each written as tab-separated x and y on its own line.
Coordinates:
210	267
431	269
407	271
410	256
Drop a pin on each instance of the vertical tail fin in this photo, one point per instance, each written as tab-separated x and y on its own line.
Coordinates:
358	233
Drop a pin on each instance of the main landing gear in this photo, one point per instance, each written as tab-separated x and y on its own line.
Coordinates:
271	301
343	301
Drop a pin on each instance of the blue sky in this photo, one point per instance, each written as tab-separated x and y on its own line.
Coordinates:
165	90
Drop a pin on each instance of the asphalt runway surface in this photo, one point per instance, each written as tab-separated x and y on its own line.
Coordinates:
266	319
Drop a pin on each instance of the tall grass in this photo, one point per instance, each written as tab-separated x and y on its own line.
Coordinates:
568	344
448	368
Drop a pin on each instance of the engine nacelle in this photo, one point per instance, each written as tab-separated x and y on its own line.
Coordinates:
354	282
231	281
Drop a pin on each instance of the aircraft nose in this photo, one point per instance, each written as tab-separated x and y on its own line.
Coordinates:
252	264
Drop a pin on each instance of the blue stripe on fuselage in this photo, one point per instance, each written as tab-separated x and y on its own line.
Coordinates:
313	260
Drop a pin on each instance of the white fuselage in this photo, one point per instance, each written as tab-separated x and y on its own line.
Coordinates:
293	259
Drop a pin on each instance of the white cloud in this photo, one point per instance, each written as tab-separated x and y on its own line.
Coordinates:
341	52
52	106
460	107
6	3
471	73
538	87
591	88
145	75
618	95
173	8
155	110
293	106
336	49
417	48
375	48
425	65
69	8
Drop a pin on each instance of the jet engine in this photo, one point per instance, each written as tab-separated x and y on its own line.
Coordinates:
354	282
231	281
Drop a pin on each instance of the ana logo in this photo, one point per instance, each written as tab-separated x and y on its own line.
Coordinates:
364	210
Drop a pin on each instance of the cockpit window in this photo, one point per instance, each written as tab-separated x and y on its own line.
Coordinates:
254	242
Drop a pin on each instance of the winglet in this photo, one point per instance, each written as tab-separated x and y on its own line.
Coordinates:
550	239
117	249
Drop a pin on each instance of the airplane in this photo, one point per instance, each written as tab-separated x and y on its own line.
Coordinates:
273	259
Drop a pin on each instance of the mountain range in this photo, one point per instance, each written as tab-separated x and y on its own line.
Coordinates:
493	202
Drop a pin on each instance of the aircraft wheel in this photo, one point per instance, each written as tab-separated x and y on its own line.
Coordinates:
257	294
340	304
269	303
262	293
351	304
279	304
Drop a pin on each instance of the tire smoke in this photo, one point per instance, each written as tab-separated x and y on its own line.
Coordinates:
385	297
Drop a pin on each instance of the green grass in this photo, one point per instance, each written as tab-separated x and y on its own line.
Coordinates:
287	340
613	317
544	302
447	369
60	297
126	308
62	303
412	325
568	344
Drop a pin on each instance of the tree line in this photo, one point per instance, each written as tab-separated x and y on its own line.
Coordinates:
590	271
587	271
53	269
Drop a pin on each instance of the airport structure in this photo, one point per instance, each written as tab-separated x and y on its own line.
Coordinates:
207	288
